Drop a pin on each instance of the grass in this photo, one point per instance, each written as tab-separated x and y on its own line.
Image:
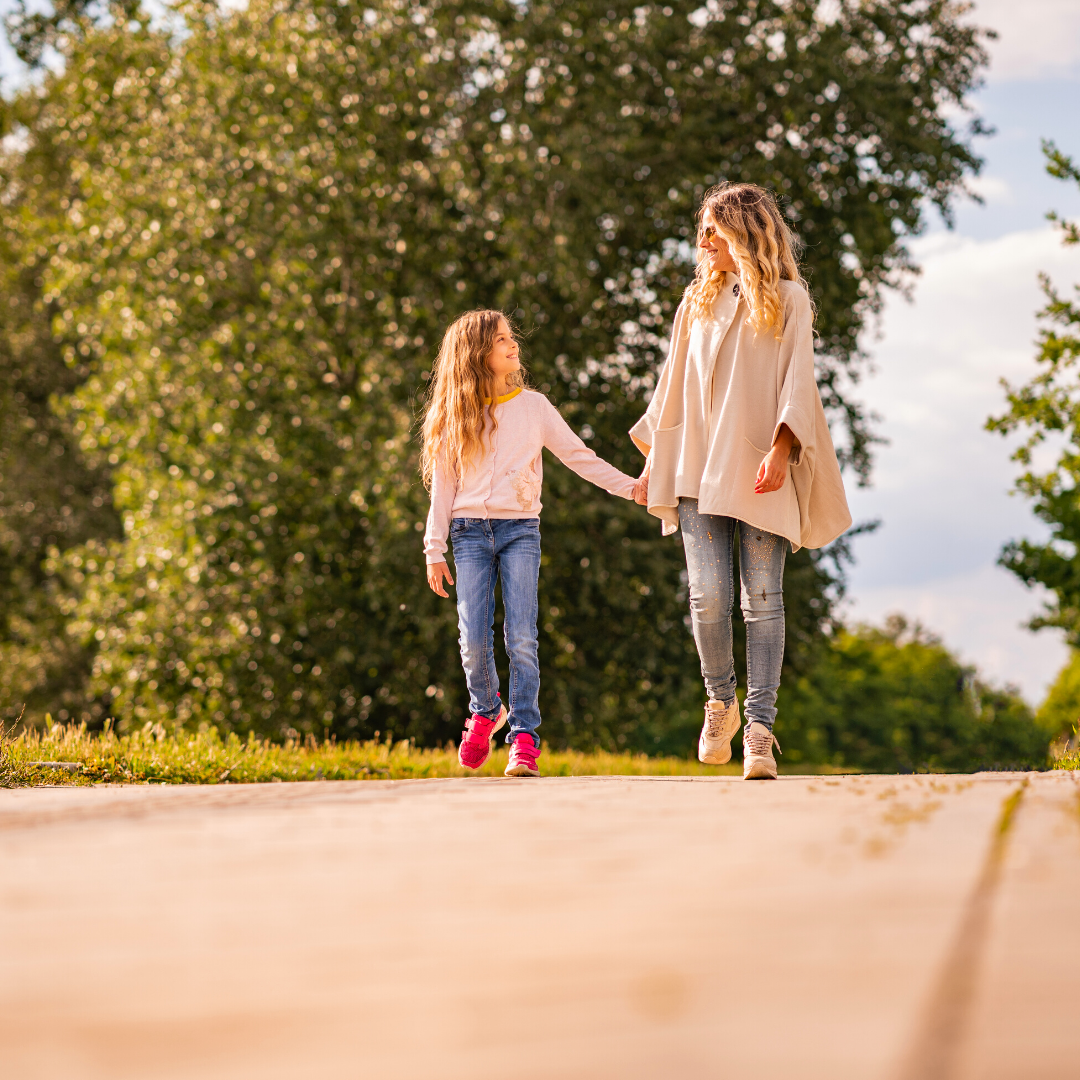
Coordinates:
1069	760
70	755
1065	750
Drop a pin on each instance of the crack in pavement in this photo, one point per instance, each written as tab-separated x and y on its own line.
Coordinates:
934	1050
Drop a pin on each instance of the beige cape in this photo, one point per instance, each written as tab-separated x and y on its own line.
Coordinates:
722	395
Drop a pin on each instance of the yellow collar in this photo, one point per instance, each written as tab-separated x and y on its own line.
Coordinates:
504	397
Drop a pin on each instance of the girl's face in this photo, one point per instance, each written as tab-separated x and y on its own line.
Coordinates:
503	359
717	252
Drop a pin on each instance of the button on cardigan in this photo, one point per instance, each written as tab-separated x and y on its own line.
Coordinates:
722	395
506	479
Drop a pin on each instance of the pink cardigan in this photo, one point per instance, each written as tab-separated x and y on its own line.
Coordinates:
505	481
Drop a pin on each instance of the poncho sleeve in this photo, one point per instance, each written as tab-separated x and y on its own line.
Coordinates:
815	472
665	406
798	390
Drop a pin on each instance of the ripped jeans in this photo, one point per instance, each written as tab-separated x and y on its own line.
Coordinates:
708	541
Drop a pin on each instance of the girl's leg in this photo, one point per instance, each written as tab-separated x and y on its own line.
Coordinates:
761	561
517	545
475	569
707	541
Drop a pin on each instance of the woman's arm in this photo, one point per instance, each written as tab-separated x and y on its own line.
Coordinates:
665	405
773	470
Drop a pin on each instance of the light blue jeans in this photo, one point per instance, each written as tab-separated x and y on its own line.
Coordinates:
486	549
709	543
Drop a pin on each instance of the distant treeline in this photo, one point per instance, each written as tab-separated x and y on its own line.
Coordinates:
227	255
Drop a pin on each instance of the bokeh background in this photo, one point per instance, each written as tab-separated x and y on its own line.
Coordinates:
232	236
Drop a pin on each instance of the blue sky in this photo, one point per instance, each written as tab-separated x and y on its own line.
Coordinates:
941	484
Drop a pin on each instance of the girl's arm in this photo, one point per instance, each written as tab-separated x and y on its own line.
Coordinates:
443	490
567	446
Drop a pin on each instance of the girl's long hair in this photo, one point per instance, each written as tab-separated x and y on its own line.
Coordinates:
764	248
453	429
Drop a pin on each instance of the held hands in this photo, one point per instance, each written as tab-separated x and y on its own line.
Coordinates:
641	488
435	574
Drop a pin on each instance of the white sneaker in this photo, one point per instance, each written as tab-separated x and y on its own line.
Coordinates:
758	762
721	723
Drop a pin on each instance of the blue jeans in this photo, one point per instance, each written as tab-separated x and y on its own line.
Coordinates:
708	541
486	549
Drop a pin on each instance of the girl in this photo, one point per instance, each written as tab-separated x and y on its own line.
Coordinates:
736	415
482	436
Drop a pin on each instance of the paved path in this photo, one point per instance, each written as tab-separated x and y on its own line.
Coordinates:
857	927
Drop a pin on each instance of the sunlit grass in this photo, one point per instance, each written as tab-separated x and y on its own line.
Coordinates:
154	756
1068	760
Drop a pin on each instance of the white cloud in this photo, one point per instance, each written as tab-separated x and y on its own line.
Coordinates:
993	189
1039	39
942	485
979	615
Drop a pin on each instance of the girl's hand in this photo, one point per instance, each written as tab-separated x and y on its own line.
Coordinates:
772	472
641	489
435	574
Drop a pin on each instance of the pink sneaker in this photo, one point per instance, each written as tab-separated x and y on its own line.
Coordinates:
523	755
476	739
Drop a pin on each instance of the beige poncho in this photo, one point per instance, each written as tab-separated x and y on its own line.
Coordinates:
722	396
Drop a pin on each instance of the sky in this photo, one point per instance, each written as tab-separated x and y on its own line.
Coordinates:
941	484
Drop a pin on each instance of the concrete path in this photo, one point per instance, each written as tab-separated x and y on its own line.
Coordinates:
857	927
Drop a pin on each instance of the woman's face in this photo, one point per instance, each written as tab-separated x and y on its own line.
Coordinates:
715	247
503	359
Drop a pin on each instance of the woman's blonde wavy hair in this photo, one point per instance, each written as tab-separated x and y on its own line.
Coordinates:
764	248
453	428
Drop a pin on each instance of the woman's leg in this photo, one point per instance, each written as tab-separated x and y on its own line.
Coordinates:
707	541
517	548
475	569
761	572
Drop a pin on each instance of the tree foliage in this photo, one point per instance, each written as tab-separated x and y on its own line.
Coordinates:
896	700
244	241
1049	407
1059	714
51	498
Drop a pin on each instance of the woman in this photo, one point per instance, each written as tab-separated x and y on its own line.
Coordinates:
736	438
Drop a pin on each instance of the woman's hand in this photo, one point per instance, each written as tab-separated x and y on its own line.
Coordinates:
641	488
435	574
772	472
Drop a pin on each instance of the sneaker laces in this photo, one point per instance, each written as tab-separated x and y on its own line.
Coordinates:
714	719
761	741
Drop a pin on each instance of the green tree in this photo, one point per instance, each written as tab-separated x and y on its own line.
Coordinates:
895	699
1049	407
51	498
260	227
1059	714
